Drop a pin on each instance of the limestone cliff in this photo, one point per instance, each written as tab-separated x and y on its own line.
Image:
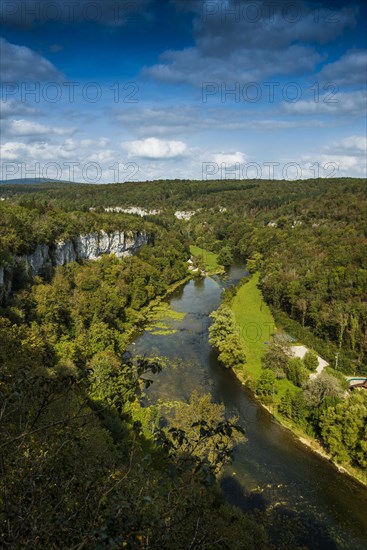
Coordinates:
83	247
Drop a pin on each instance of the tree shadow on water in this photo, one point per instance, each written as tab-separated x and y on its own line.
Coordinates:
287	529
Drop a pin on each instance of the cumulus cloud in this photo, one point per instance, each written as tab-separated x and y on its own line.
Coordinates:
233	43
153	148
349	70
21	64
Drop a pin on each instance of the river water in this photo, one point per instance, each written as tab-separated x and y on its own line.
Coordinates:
271	466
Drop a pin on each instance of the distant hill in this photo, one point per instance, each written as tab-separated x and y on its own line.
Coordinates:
32	181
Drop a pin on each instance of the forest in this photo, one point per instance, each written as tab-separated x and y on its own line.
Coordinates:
85	462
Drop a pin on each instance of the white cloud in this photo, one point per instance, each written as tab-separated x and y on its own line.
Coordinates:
78	151
346	157
102	157
29	128
102	142
41	151
349	70
333	103
243	65
177	121
171	120
21	64
153	148
230	159
354	144
12	107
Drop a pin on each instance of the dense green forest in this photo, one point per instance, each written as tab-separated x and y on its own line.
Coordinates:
35	222
85	461
308	239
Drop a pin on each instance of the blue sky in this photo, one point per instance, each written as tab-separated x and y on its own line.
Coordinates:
119	90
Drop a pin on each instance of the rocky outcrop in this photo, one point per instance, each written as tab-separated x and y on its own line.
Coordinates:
181	215
84	247
37	262
94	245
131	210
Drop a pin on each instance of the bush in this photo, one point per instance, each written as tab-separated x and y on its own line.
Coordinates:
296	372
311	361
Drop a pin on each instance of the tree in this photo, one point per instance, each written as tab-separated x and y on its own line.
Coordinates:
222	326
299	408
276	358
296	372
343	429
254	262
202	432
224	337
311	361
321	387
302	307
225	256
285	405
266	383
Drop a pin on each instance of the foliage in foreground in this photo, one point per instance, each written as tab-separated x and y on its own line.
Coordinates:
77	469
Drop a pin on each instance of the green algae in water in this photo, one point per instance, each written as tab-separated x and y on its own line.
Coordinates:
161	320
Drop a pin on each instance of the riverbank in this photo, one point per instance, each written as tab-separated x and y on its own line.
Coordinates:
308	441
256	326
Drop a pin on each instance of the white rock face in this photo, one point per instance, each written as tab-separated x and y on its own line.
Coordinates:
83	247
94	245
39	259
64	253
181	215
133	210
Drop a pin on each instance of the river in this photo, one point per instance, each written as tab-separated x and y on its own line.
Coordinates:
272	463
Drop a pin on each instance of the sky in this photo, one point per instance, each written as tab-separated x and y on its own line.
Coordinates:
106	91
